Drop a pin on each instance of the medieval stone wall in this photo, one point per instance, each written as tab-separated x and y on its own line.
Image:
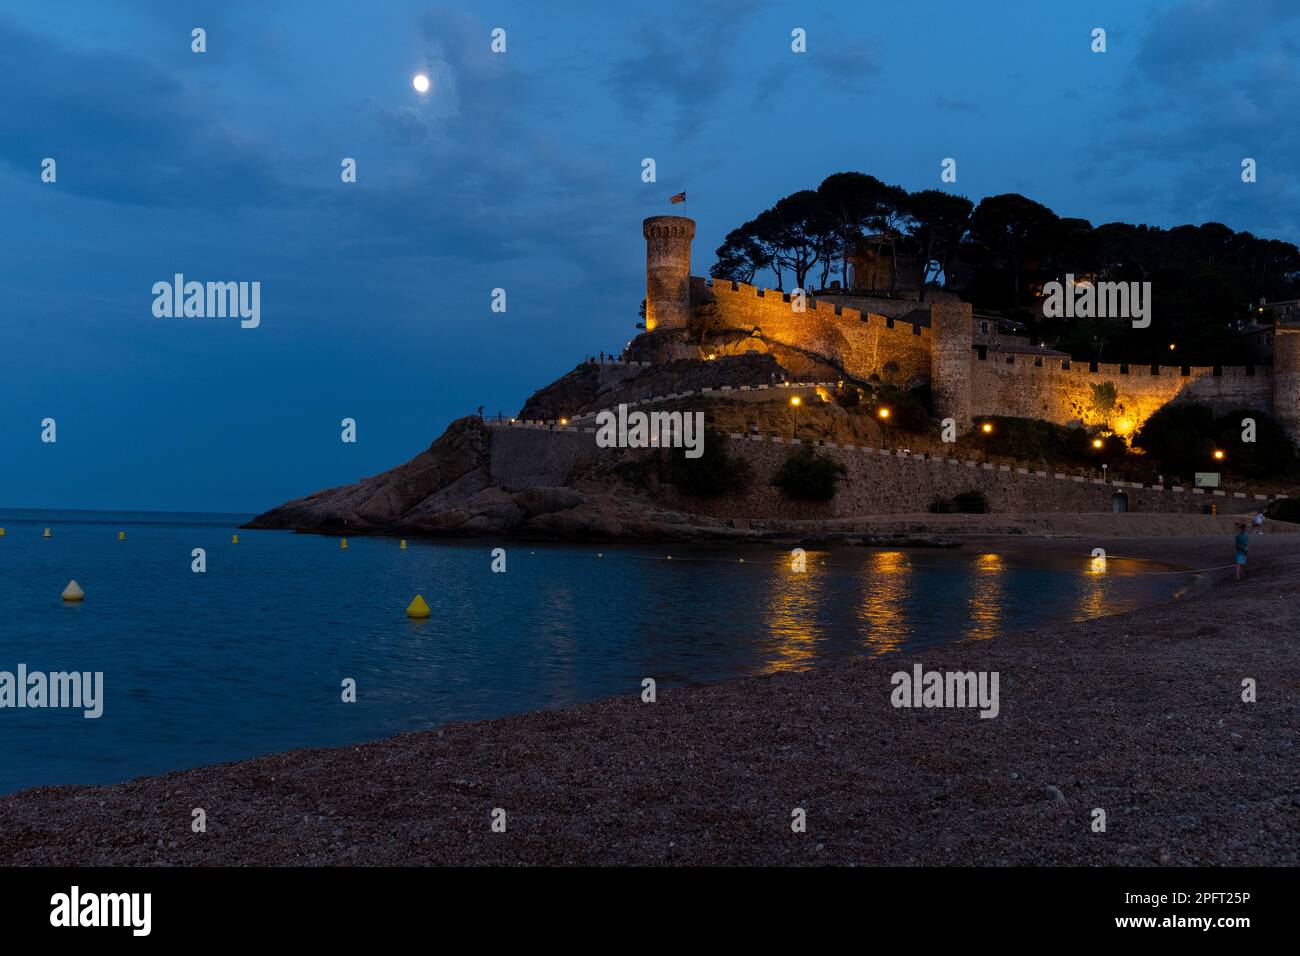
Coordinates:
1068	392
878	482
863	344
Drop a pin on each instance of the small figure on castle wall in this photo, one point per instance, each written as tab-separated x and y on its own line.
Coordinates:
480	411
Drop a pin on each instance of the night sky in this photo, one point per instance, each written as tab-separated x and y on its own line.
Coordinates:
522	171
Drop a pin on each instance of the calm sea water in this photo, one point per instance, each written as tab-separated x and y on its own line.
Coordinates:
249	657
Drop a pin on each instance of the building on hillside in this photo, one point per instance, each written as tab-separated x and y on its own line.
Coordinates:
877	265
1258	340
1286	312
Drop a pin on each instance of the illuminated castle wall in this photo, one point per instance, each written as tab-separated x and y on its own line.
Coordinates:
964	385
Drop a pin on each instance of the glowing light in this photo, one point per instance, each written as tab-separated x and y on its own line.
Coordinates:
564	421
1218	455
1097	443
420	82
883	413
1172	346
795	400
987	428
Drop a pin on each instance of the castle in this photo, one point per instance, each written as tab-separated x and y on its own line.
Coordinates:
897	342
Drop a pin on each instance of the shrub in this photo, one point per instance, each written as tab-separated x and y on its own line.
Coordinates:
1032	440
848	396
971	503
808	476
1104	396
1271	453
715	473
924	396
1180	437
906	412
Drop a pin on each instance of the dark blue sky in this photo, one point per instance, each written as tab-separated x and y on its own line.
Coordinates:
520	171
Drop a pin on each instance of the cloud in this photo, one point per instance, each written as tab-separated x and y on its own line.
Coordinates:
1212	82
125	130
847	63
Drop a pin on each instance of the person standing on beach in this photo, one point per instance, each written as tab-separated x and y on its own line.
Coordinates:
1258	521
1242	541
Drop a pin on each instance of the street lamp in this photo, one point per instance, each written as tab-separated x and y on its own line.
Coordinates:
795	402
882	412
1218	455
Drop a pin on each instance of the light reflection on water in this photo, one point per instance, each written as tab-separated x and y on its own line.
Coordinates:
886	583
248	658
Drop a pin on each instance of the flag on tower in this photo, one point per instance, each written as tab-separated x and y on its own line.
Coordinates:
680	197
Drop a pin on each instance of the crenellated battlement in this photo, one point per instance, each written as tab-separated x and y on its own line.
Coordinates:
1035	363
740	300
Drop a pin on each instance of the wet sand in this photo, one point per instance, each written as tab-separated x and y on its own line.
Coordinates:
1139	715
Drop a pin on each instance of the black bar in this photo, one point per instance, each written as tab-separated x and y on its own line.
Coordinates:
213	906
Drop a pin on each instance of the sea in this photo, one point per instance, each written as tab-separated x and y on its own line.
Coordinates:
256	653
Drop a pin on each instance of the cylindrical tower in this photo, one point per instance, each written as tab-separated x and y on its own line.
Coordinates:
952	327
1286	378
667	271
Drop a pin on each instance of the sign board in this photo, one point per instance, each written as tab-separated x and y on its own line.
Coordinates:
1207	479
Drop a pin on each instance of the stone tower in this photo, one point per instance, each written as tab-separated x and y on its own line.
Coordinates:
667	271
1286	378
953	327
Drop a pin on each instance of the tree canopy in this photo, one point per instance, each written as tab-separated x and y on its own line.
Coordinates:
1206	280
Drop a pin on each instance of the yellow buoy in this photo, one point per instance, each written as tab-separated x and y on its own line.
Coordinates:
402	545
121	536
73	592
343	544
47	533
418	608
2	532
234	539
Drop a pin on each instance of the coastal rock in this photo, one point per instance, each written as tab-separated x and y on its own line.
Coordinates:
436	481
541	501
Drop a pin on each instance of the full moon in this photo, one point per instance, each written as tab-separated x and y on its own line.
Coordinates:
421	83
